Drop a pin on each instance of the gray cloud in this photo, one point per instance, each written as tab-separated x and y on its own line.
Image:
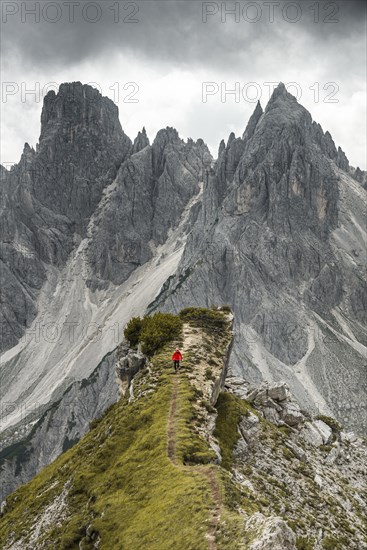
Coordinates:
170	37
171	31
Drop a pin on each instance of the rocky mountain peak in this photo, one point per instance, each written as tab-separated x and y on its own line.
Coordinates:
164	136
78	104
81	147
232	137
27	157
283	109
222	147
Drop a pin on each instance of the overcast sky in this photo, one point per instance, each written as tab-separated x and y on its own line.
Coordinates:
154	57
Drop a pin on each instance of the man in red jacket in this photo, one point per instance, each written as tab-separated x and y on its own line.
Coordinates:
176	358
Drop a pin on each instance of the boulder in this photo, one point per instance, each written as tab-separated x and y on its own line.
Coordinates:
297	451
130	363
333	455
278	392
317	433
248	427
291	414
325	431
272	533
319	481
271	414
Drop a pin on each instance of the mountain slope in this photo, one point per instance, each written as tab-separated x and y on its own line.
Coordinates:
29	448
164	457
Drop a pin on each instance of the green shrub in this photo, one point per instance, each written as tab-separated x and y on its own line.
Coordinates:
153	332
158	330
133	330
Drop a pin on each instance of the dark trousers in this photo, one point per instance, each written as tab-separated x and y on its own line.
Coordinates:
176	365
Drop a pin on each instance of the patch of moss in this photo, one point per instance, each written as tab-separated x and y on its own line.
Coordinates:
210	320
305	543
331	422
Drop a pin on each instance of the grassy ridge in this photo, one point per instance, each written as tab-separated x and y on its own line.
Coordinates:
124	489
120	485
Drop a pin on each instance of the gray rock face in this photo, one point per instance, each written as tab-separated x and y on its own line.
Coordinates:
81	147
151	191
252	123
272	533
274	238
60	426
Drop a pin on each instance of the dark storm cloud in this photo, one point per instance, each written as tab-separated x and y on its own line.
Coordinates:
182	32
171	49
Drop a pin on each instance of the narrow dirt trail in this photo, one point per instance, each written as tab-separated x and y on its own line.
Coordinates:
172	423
206	471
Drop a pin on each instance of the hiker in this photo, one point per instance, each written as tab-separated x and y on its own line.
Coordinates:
176	358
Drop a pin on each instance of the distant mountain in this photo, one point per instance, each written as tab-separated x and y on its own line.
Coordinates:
49	196
280	236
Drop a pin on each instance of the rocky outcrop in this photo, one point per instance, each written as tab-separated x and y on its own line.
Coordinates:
309	474
141	141
276	404
129	363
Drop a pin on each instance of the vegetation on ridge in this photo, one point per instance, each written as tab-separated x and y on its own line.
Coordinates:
119	485
153	332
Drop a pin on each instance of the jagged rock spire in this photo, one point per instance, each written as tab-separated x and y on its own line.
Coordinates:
252	123
222	147
141	141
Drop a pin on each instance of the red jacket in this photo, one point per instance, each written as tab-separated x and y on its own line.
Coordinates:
177	356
